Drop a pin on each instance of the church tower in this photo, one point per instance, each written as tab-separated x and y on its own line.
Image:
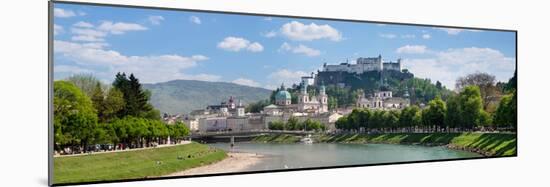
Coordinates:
323	99
303	97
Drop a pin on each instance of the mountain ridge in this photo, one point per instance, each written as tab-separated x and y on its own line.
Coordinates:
183	96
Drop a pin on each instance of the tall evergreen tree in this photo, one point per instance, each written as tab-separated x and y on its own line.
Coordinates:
139	105
512	83
136	99
121	83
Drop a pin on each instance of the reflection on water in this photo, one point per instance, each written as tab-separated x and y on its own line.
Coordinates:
286	156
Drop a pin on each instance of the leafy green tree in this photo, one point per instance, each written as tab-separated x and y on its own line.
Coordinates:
354	119
364	117
276	125
332	103
434	115
486	84
113	104
485	119
101	135
293	124
85	82
121	128
342	123
257	107
453	118
392	119
311	125
75	118
471	106
377	119
98	101
408	115
423	90
506	113
109	135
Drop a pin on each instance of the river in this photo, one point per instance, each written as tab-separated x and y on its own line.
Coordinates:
288	156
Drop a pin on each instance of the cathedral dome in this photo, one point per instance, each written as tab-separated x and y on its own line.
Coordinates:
282	95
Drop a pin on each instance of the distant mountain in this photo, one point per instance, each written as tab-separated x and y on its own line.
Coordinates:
183	96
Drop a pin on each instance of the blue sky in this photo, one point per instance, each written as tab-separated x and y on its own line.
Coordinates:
161	45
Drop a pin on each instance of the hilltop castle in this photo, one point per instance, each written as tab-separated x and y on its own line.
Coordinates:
364	65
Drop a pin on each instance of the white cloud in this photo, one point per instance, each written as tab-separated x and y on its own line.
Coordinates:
298	31
270	34
233	44
236	44
62	13
96	45
285	76
195	19
392	36
57	29
246	82
446	66
87	38
87	34
150	69
268	18
83	24
453	31
155	20
70	69
388	36
300	49
412	49
426	36
120	27
255	47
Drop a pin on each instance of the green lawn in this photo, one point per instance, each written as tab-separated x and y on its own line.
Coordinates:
133	164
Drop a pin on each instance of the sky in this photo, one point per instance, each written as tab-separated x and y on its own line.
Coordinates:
259	51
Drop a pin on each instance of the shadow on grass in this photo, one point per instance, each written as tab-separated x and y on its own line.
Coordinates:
496	144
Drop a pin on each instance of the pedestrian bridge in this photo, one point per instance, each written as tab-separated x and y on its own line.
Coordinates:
247	133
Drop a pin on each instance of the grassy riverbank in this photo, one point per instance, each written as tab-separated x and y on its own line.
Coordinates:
488	144
280	138
134	164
